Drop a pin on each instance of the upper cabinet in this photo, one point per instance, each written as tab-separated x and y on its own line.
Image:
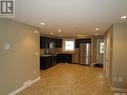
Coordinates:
59	43
43	42
47	42
78	41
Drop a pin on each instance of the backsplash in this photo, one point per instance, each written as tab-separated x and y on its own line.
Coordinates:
56	50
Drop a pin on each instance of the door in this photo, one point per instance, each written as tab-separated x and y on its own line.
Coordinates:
100	51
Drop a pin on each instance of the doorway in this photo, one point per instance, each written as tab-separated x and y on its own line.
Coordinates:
100	52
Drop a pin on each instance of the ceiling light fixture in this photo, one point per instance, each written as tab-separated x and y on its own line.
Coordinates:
123	17
51	33
80	35
59	30
36	31
42	23
97	29
96	34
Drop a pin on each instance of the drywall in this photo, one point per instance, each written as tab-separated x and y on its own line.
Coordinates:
116	56
119	63
108	53
19	55
94	48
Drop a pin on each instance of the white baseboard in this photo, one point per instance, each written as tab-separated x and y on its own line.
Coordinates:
119	90
120	94
24	86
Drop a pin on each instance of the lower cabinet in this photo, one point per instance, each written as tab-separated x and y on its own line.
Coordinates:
50	61
63	58
46	62
75	58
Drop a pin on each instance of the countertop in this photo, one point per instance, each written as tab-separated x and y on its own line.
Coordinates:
47	55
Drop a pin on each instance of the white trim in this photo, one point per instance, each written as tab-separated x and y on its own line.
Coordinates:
24	86
64	45
115	89
120	90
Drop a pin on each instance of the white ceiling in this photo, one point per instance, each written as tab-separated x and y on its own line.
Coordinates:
72	16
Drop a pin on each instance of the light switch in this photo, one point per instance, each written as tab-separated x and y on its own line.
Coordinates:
36	53
120	79
7	46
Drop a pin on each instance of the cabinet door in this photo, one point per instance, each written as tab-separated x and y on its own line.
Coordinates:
79	41
75	58
46	62
43	42
58	43
63	58
69	58
43	63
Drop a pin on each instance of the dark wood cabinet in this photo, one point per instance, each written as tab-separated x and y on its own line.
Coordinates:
48	61
45	42
78	41
45	62
59	43
63	58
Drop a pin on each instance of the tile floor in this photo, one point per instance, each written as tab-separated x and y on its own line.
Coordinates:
70	79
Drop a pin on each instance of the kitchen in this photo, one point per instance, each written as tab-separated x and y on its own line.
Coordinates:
76	50
68	47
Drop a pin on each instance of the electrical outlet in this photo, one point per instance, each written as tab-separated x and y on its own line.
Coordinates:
120	79
36	53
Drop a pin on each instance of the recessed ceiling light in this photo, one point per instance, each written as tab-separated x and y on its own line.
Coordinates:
80	35
42	23
36	31
51	33
123	17
97	29
96	34
59	30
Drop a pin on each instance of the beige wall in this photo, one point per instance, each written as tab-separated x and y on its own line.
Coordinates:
20	63
116	57
108	53
119	66
94	48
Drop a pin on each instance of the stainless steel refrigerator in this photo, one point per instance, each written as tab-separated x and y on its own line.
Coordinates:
85	54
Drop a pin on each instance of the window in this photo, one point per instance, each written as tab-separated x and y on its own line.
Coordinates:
69	44
101	47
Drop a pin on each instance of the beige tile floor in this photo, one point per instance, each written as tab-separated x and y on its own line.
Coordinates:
70	79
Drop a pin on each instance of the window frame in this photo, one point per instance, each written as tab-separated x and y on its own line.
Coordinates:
64	40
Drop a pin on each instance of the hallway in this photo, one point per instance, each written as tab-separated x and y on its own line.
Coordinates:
70	79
